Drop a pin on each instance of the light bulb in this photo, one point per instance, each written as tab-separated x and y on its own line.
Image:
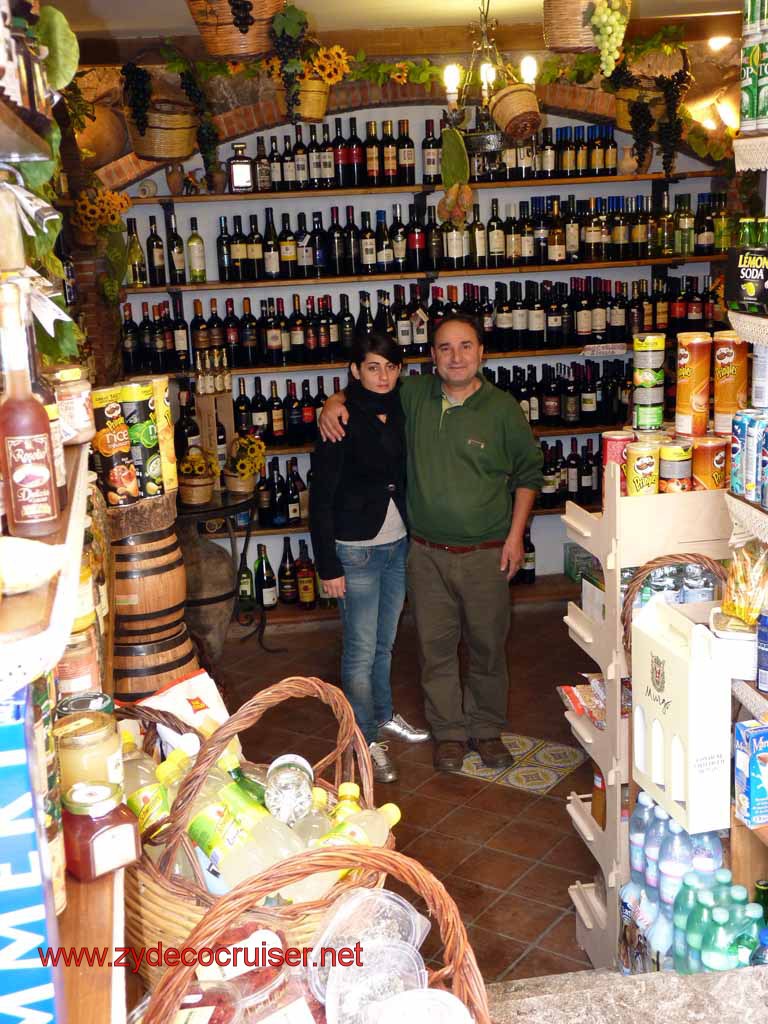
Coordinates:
729	115
709	124
717	43
451	77
487	74
529	68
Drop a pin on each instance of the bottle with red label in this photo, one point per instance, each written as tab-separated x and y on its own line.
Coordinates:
26	449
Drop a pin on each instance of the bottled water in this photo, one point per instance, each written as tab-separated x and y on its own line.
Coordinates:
707	855
675	861
654	837
722	887
288	793
748	937
717	952
316	823
737	908
638	826
698	920
759	957
659	940
684	905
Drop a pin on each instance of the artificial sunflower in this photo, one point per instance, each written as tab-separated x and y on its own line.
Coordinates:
306	71
399	73
341	57
272	68
235	67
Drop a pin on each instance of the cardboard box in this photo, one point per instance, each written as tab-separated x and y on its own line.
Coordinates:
746	283
751	772
577	561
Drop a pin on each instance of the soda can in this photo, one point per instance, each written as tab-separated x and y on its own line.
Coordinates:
751	17
738	449
756	428
709	461
762	87
643	468
675	467
614	448
759	395
648	351
750	64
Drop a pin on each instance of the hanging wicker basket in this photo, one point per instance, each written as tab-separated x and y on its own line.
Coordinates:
566	26
515	110
220	37
627	96
170	135
313	100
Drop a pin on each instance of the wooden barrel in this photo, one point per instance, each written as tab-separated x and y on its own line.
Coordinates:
142	669
150	586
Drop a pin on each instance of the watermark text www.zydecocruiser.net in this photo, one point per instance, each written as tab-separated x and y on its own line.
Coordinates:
225	957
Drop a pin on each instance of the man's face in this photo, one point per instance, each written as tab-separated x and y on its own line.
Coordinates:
457	354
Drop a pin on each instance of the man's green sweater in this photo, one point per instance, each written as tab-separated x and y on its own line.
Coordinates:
464	461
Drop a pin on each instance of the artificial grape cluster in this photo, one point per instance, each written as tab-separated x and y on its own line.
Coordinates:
242	18
138	92
609	23
641	119
207	136
621	77
288	48
194	93
673	88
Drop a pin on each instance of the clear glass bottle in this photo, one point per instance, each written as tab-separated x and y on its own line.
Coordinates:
240	170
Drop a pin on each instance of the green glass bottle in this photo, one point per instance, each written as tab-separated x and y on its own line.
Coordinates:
685	903
747	232
229	763
761	896
196	254
762	232
748	936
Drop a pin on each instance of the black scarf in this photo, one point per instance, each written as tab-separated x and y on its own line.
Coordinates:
373	402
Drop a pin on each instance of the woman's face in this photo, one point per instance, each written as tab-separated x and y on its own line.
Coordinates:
376	373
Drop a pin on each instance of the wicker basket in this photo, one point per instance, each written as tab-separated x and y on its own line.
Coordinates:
515	110
170	135
627	96
313	100
645	571
239	484
165	908
220	37
567	27
460	968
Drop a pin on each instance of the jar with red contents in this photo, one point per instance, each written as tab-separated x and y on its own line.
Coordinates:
100	833
254	961
217	1003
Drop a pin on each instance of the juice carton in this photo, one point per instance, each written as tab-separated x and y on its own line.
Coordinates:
751	764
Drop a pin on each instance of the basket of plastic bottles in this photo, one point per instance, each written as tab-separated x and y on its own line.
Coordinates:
227	821
387	981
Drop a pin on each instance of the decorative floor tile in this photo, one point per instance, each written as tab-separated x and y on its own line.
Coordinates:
539	765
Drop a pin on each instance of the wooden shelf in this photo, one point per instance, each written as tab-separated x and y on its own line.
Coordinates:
34	627
17	140
546	268
566	431
289	282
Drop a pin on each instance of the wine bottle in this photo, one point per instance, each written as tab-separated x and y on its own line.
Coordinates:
261	168
238	251
398	239
155	255
136	275
431	151
301	161
356	176
196	254
223	250
180	335
287	582
406	155
336	248
271	247
314	159
242	409
327	169
266	585
176	264
372	154
340	158
275	165
351	239
288	249
288	165
254	252
129	334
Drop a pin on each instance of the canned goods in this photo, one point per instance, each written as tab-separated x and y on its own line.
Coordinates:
614	448
89	700
643	468
112	449
648	408
730	374
709	463
751	16
138	404
762	651
647	377
692	402
760	377
164	422
648	351
750	64
675	465
756	425
738	449
762	88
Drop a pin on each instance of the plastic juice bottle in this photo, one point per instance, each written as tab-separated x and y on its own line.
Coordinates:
748	937
698	920
349	802
316	823
684	905
717	953
144	795
288	793
171	772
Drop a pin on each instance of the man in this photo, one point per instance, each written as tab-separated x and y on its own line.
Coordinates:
469	446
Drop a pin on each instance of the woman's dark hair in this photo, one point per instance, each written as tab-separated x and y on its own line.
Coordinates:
461	318
376	344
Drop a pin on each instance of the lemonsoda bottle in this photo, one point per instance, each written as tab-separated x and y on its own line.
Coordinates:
230	763
144	795
349	802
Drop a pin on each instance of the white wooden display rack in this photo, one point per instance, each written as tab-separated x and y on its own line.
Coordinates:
38	638
628	533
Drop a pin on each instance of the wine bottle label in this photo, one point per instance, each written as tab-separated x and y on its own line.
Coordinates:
269	596
536	319
583	321
407	157
254	251
288	251
571	237
177	257
32	478
529	560
506	321
525	408
551	405
272	262
534	405
310	339
315	165
404	334
289	171
274	339
466	245
278	422
180	340
368	251
399	246
513	240
695	311
239	251
554	322
372	160
593	234
416	240
496	242
573	480
526	247
301	167
519	320
618	316
389	155
705	238
326	164
297	337
432	162
598	320
550	484
639	233
677	310
158	258
581	159
588	401
275	172
294	510
455	242
196	257
480	244
568	160
662	316
509	157
548	160
620	234
334	332
524	156
260	421
570	409
597	160
263	176
555	253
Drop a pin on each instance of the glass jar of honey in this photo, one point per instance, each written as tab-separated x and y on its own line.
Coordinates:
89	749
100	833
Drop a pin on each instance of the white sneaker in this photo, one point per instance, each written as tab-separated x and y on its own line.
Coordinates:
398	729
384	769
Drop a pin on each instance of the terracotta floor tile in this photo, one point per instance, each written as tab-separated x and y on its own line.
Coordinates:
493	868
525	838
471	898
439	855
468	822
579	781
550	811
419	752
494	953
456	788
519	918
539	962
562	939
402	889
405	834
547	884
501	800
423	811
571	853
412	775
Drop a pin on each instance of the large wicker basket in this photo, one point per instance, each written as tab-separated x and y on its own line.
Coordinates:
313	100
515	110
162	907
566	26
460	969
220	37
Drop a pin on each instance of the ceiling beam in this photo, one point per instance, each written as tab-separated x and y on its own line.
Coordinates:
434	40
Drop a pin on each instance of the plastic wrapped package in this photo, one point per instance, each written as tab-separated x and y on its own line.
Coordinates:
217	1003
426	1004
746	590
387	969
249	968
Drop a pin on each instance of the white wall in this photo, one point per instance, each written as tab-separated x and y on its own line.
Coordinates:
548	533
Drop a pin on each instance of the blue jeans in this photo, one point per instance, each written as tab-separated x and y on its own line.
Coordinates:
370	612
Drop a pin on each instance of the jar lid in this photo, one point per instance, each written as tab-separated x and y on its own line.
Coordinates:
94	799
88	700
85	638
64	373
83	729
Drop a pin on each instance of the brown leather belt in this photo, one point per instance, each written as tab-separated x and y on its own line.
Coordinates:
457	549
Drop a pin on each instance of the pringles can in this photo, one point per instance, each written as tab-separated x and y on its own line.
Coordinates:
675	466
694	351
112	449
138	404
730	375
614	449
709	462
643	468
750	65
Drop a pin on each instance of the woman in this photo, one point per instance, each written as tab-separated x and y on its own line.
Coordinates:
357	519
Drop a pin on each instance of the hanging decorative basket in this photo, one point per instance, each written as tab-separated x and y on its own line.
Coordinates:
515	110
625	97
215	23
170	135
566	26
313	100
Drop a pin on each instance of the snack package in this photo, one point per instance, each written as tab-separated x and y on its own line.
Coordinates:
746	590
